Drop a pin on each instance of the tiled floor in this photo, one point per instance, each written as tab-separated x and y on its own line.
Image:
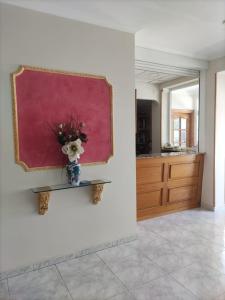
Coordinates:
178	256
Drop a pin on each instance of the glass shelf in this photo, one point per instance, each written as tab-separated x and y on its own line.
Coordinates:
68	186
43	192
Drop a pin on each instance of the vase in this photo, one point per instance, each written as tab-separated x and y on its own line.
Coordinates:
73	173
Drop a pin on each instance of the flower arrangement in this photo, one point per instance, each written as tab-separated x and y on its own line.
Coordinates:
71	136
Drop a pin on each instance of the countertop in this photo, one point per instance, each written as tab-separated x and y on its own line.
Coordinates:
167	154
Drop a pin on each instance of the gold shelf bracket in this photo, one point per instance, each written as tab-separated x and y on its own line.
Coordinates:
43	199
97	193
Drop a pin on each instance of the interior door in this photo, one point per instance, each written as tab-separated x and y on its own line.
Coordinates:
182	128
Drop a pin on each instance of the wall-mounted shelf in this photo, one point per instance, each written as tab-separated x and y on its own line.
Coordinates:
44	192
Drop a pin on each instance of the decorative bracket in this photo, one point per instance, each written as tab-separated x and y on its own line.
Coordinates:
43	199
97	192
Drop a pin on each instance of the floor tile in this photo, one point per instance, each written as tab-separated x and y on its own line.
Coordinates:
178	256
215	260
44	284
154	251
173	261
221	297
112	254
80	264
165	288
218	262
202	280
213	217
143	245
216	237
168	256
4	295
146	236
180	237
157	225
203	250
124	296
206	230
134	270
94	282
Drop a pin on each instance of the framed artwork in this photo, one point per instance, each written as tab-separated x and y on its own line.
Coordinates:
43	98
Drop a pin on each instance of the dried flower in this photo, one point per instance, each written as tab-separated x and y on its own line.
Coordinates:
83	137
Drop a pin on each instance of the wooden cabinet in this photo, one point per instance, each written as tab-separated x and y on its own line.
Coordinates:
168	183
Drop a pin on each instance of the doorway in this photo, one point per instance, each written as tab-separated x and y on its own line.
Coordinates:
220	141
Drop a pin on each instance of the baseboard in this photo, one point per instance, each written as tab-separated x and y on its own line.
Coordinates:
207	206
55	260
220	208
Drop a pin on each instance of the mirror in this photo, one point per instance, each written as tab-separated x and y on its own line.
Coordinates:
180	116
167	112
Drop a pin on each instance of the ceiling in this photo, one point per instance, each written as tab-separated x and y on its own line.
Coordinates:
153	77
188	27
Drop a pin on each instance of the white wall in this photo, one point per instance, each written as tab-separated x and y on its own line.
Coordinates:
156	127
220	141
208	191
165	116
146	91
202	111
185	98
72	223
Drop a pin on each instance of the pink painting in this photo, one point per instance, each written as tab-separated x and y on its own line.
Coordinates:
43	98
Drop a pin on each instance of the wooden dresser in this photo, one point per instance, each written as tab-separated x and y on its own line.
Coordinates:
168	183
